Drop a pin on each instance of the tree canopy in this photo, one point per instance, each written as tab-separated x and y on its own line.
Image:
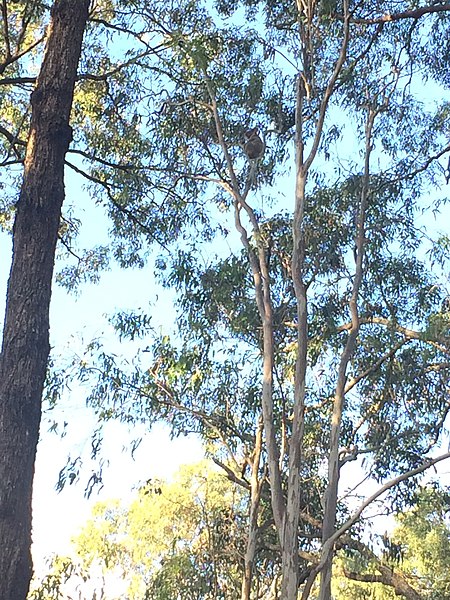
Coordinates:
182	538
186	538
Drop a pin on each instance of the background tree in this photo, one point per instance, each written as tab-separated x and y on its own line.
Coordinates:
180	539
417	550
423	536
187	537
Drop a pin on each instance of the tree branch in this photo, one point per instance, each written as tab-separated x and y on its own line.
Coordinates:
14	141
329	91
231	474
17	80
387	577
261	278
376	365
410	334
19	55
130	214
386	487
407	14
338	402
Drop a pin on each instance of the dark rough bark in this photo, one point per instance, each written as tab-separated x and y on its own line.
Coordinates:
25	346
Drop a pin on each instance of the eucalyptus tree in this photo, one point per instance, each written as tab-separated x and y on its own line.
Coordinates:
323	340
178	539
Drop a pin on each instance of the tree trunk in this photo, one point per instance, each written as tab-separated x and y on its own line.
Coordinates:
331	494
255	498
25	346
289	558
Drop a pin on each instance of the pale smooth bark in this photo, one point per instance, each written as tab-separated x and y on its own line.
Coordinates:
255	497
290	564
331	494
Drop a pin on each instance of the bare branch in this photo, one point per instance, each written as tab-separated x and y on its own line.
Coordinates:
407	14
427	463
255	499
328	546
410	334
129	213
138	35
102	161
13	141
69	249
329	90
113	71
17	80
395	579
231	475
375	366
16	57
338	402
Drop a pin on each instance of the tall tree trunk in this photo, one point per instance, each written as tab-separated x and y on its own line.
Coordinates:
25	346
255	498
289	554
331	494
